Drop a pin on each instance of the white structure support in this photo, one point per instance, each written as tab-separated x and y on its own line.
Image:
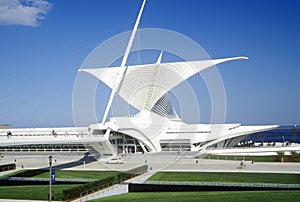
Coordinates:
123	65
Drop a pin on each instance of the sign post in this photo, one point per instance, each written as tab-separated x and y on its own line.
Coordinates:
50	180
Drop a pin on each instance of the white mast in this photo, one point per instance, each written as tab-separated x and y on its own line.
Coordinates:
123	67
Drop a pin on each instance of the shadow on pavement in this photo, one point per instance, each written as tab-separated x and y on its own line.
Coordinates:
30	173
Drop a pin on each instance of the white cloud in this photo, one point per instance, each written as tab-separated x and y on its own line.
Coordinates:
23	12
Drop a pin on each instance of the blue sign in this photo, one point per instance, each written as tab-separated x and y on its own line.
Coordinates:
53	177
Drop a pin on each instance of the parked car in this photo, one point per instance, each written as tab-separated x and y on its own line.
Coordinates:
115	161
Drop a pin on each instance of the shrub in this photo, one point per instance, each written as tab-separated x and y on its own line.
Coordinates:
295	157
103	183
88	188
280	156
29	173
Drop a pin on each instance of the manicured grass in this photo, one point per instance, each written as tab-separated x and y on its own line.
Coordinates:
28	192
239	158
207	196
71	174
79	174
40	192
277	178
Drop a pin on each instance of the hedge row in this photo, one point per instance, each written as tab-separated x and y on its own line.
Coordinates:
87	188
7	167
29	173
138	170
294	157
90	187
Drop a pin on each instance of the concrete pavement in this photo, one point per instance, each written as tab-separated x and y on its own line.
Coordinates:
157	161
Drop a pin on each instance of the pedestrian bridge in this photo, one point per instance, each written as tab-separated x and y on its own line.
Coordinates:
48	139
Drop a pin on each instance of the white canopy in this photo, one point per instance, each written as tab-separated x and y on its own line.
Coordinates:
143	85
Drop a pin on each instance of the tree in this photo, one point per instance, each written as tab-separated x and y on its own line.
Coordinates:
294	131
280	156
262	136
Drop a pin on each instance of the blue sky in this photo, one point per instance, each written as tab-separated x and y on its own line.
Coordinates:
39	57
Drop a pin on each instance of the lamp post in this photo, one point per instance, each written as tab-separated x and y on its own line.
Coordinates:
50	179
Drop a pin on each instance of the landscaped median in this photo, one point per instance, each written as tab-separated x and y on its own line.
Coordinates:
227	177
212	181
97	180
37	183
208	181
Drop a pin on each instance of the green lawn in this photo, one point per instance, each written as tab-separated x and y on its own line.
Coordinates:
40	192
266	196
37	192
79	174
73	174
239	158
227	177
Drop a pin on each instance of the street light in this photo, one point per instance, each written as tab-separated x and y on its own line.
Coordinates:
50	179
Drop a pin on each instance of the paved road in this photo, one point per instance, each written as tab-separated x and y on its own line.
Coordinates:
157	161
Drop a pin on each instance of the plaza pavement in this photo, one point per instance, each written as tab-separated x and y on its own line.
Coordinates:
157	161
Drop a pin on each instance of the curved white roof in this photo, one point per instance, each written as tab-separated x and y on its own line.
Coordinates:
143	85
